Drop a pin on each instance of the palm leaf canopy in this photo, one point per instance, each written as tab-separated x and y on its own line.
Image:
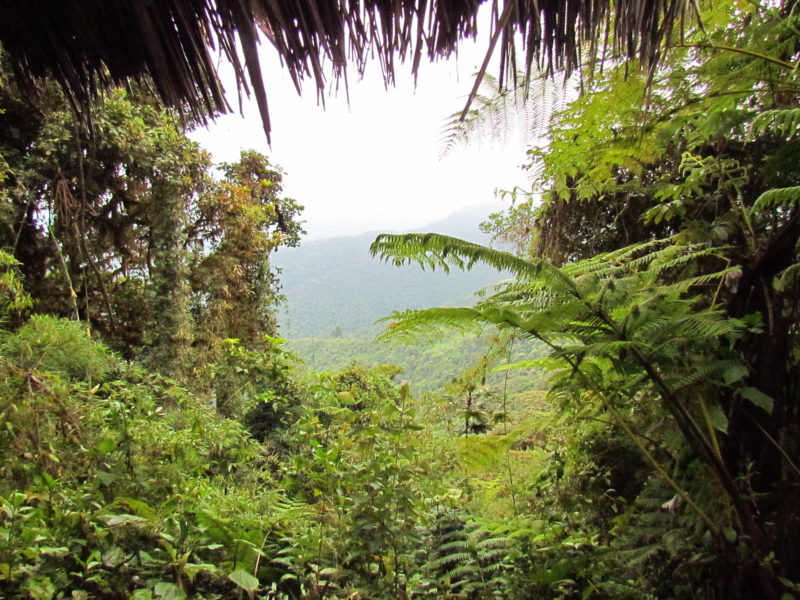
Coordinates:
87	45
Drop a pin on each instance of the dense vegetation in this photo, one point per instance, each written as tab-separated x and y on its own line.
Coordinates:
159	441
426	367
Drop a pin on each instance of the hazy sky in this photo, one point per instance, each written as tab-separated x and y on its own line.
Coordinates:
374	164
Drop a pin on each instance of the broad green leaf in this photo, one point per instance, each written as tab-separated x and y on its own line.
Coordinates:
106	446
169	591
244	580
718	418
39	588
734	373
758	398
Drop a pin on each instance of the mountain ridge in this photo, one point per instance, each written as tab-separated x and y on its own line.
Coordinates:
334	287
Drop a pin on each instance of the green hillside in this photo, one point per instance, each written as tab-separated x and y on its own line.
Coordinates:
426	366
335	283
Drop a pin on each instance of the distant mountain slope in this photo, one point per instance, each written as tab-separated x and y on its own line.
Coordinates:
334	285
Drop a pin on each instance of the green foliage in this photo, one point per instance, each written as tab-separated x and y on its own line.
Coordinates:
131	230
660	300
13	299
124	483
363	459
52	345
464	561
426	368
623	327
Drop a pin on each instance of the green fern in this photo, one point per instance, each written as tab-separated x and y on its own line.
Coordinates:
528	107
658	542
57	346
781	122
786	198
621	326
465	561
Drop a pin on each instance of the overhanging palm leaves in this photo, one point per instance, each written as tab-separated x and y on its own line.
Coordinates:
90	44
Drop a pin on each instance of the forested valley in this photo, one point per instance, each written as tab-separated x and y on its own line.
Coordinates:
615	416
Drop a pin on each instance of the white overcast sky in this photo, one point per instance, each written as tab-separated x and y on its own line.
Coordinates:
373	164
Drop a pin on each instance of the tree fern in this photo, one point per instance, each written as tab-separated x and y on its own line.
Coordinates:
433	250
623	325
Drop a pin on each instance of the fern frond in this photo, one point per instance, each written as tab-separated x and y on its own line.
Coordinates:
684	285
412	324
678	256
527	108
644	553
779	198
450	559
781	122
709	372
628	258
459	545
706	325
606	348
494	543
433	250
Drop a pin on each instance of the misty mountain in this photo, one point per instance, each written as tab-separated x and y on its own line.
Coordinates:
334	285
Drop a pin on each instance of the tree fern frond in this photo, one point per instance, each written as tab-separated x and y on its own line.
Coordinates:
435	250
782	122
684	285
677	256
412	324
628	258
706	325
708	372
779	198
608	348
527	108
